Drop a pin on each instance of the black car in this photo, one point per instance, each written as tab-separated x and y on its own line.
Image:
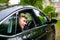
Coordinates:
40	28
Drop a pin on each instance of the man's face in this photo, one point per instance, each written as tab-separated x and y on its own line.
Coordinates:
22	22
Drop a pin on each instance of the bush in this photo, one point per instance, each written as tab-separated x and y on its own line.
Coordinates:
49	9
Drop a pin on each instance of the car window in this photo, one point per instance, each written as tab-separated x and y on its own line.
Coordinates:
41	16
5	13
28	16
7	25
30	22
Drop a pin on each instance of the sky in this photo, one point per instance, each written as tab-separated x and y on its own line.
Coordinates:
12	2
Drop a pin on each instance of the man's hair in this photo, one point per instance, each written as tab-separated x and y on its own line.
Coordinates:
22	14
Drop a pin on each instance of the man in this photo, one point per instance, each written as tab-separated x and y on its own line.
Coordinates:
22	20
21	26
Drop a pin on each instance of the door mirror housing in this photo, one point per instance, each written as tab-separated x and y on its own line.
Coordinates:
53	21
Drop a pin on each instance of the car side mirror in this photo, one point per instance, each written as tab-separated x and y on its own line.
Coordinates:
53	21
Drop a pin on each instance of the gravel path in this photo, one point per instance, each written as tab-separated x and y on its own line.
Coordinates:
57	33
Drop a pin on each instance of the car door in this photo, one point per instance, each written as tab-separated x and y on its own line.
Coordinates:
46	25
34	29
10	21
34	24
41	22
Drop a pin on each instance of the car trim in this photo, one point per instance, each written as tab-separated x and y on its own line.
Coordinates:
23	32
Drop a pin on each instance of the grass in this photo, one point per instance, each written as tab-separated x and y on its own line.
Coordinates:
57	27
58	24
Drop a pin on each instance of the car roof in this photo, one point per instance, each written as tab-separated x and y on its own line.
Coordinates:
15	8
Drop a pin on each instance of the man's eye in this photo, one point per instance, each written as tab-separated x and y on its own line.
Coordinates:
24	20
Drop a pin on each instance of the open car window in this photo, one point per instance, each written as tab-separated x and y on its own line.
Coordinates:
30	22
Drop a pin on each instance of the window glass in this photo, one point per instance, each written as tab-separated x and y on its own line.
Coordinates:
6	28
41	16
28	16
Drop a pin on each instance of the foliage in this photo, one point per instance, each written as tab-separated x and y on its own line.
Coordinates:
49	9
58	23
53	14
2	1
36	3
42	19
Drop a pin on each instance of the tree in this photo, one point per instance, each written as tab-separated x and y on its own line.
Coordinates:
4	4
36	3
2	1
7	2
49	9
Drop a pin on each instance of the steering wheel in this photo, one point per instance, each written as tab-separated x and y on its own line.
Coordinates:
29	22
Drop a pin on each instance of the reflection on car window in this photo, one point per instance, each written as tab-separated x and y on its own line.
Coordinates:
40	15
7	25
30	22
28	16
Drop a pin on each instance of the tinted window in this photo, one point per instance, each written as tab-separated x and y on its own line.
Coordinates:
7	25
41	16
4	13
